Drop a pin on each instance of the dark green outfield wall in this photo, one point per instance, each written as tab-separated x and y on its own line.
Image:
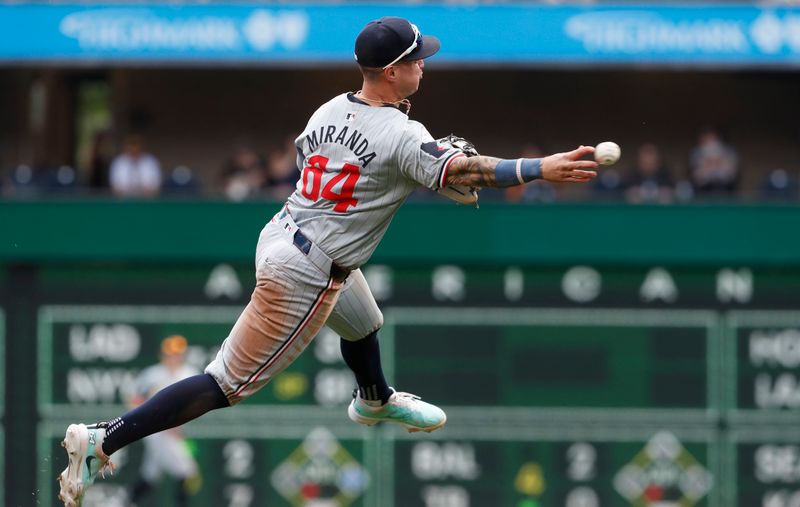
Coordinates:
661	333
421	232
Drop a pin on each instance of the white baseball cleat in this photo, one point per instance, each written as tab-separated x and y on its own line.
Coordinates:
405	409
84	445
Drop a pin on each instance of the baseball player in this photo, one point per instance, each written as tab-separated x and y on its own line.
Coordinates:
165	452
359	156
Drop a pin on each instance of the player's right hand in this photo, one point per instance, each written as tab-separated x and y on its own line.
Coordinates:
568	166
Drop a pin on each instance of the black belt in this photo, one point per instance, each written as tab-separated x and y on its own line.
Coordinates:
302	242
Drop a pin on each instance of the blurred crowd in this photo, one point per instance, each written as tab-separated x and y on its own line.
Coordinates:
135	173
712	172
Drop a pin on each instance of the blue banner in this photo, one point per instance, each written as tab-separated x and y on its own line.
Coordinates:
479	34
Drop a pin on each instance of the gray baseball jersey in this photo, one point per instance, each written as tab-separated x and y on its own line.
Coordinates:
358	164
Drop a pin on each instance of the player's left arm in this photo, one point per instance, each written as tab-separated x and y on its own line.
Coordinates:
481	171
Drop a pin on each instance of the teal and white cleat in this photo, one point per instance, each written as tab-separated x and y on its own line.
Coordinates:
405	409
86	459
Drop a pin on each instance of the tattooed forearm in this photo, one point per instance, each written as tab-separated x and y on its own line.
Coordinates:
480	171
474	172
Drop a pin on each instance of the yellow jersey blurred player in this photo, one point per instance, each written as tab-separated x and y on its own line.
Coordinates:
165	453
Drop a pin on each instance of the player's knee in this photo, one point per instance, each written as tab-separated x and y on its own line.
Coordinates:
371	335
375	328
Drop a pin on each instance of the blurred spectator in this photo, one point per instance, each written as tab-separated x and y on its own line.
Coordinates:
649	181
714	165
100	161
608	184
30	181
58	179
22	181
244	174
779	184
535	191
135	173
684	191
282	173
181	181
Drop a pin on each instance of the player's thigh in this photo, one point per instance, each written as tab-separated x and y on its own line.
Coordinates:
289	305
356	313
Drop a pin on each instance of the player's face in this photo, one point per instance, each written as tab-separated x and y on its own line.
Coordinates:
408	76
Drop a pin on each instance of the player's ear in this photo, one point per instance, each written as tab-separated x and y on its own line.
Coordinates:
390	73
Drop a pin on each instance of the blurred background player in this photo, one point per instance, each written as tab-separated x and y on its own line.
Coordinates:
165	452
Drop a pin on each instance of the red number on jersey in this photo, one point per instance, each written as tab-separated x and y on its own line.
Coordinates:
314	170
343	199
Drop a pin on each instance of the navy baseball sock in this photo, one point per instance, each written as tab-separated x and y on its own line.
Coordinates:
172	406
364	358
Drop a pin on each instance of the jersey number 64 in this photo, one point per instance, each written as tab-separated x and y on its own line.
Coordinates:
314	172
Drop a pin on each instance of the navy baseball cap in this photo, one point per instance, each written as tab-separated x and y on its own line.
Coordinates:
388	40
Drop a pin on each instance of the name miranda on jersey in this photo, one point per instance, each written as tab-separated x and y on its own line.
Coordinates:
356	142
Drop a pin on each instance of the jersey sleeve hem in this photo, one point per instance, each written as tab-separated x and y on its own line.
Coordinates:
446	167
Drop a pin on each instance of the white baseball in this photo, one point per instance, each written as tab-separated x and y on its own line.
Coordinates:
607	153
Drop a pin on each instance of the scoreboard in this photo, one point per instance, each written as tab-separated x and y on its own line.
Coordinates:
764	357
529	467
568	386
90	356
543	359
539	359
